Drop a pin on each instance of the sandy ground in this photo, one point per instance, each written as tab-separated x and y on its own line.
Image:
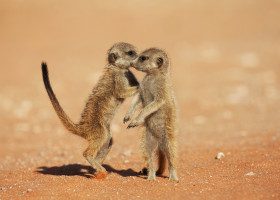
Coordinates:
226	74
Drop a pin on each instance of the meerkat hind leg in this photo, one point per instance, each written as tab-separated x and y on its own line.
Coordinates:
105	149
90	152
161	164
150	146
168	149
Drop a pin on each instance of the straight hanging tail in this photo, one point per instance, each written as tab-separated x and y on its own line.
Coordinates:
66	121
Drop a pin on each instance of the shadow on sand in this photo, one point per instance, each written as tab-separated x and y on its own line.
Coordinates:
83	170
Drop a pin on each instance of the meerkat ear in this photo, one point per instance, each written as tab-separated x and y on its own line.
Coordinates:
159	62
112	58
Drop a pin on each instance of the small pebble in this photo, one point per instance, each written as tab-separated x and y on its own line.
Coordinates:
29	190
220	155
250	174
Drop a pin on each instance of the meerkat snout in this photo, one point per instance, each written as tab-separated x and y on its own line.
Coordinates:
122	55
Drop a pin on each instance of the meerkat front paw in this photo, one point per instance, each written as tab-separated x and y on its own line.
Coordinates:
132	124
126	119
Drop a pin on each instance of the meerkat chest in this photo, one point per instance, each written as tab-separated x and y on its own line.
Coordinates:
147	90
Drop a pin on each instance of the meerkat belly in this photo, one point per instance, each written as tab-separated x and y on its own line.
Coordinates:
146	97
155	123
111	107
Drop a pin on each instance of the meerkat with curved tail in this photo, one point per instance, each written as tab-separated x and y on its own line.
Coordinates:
112	88
158	113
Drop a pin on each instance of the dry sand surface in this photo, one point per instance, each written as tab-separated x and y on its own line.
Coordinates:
226	74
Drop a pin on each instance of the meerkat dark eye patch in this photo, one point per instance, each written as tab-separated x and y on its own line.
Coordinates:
159	62
143	58
112	58
131	53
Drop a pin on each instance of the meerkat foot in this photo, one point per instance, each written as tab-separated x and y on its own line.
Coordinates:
173	177
151	177
100	174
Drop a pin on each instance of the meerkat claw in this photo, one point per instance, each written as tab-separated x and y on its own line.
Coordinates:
132	125
126	119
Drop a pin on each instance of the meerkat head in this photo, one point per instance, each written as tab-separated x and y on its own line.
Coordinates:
152	60
122	55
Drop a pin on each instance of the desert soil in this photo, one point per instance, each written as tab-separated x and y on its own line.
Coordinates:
226	75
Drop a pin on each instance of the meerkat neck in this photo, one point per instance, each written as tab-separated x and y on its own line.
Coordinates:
115	68
156	72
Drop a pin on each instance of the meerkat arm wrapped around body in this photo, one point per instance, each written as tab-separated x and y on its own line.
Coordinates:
136	102
129	92
149	109
123	91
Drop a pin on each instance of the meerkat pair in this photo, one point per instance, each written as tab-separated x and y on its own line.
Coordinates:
113	87
116	84
158	113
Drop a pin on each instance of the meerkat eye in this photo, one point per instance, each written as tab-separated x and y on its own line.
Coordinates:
131	53
143	58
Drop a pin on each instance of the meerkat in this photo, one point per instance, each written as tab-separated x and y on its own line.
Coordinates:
117	83
158	113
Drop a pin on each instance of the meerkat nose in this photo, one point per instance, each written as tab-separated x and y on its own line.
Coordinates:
132	64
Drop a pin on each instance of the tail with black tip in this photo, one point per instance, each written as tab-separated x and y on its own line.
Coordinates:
66	121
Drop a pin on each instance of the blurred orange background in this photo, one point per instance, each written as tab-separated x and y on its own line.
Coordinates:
225	68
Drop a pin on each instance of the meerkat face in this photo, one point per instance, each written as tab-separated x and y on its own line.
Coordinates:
122	55
152	60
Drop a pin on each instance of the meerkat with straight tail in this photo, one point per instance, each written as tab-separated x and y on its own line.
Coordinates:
158	113
112	88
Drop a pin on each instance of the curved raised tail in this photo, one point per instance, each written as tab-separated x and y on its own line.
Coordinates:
66	121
